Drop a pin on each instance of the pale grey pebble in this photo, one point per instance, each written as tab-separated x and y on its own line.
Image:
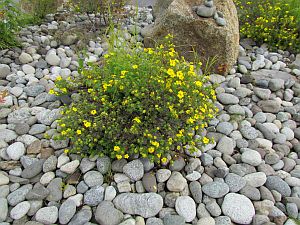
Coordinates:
66	211
213	208
93	178
292	210
38	192
82	187
176	182
103	164
170	219
251	157
94	196
134	170
50	164
18	195
222	220
162	175
110	193
227	99
146	205
55	190
107	214
215	189
3	209
206	221
20	210
235	182
86	165
248	132
33	170
239	208
277	184
154	221
195	188
47	215
82	217
225	128
186	207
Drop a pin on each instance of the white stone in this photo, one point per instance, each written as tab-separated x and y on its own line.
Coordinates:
47	215
20	210
70	167
47	177
28	69
52	59
16	150
62	160
25	58
186	207
239	208
3	179
251	157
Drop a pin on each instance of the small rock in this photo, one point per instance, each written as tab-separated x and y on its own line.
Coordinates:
186	207
47	215
16	150
107	214
134	170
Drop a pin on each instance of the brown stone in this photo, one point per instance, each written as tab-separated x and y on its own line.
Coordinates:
35	147
9	165
190	31
46	152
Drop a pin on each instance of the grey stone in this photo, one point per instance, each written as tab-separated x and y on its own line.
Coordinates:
176	182
213	208
154	221
33	170
235	182
94	196
48	116
66	211
134	170
18	195
86	165
39	192
16	150
37	129
55	190
256	179
146	205
239	208
223	220
7	135
205	11
47	215
20	210
162	175
277	184
262	93
228	99
226	145
271	106
186	207
19	116
4	71
170	219
103	164
107	214
225	128
248	132
251	157
82	217
149	182
50	164
3	209
93	178
34	90
276	84
215	189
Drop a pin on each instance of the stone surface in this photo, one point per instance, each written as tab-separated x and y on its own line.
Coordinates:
146	205
107	214
239	208
186	207
47	215
191	30
134	170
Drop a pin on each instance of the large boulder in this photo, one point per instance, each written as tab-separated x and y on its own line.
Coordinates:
204	35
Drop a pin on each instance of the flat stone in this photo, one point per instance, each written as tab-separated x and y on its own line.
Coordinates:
47	215
70	167
3	209
66	211
235	182
256	179
94	196
107	214
20	210
227	99
55	190
16	150
3	179
251	157
215	189
277	184
82	217
271	106
93	178
33	170
239	208
134	170
146	205
176	182
149	182
186	207
18	195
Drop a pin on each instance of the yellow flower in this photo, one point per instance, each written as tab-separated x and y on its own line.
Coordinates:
74	109
180	75
78	132
151	149
87	124
90	90
58	78
180	94
62	125
164	160
137	119
63	132
135	66
158	155
205	140
172	62
155	143
119	157
171	72
198	83
93	112
66	151
51	92
126	156
116	148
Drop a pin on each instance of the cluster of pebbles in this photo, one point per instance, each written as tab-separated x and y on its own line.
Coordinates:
250	175
209	10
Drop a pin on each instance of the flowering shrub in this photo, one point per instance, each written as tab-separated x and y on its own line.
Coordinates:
9	23
148	101
274	22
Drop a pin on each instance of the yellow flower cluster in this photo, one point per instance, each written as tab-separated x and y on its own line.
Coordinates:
146	101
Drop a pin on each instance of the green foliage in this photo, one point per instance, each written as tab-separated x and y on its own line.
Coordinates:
9	23
106	8
40	8
274	22
146	101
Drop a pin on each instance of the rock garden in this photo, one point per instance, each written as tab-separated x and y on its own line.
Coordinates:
241	165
